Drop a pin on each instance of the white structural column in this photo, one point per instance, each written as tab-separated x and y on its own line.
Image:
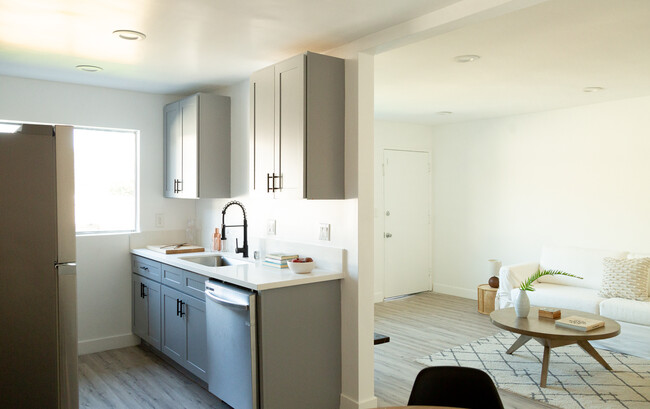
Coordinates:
358	285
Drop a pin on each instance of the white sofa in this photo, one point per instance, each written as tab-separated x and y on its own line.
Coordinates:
582	295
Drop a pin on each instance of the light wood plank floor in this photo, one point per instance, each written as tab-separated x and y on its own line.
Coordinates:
420	325
134	378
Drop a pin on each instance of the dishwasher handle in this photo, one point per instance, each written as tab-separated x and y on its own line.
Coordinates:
227	302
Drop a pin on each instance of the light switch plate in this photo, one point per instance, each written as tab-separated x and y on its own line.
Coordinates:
160	220
270	227
324	232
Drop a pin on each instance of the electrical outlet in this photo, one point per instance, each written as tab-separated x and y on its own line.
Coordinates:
160	220
324	233
270	227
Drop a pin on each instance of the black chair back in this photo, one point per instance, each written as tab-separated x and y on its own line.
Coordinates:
455	386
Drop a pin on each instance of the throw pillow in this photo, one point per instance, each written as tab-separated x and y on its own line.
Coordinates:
625	278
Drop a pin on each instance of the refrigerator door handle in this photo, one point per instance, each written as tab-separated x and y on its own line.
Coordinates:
69	264
66	249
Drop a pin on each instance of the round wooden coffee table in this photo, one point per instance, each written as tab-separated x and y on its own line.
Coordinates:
544	331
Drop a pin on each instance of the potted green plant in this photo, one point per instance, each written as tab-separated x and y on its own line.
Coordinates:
522	302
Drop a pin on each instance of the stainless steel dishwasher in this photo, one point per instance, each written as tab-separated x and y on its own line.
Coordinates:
232	344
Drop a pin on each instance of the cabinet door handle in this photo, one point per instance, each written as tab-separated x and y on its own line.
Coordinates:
144	269
178	304
145	291
182	313
141	290
178	185
271	177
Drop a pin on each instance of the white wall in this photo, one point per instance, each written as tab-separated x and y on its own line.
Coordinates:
401	136
503	187
103	272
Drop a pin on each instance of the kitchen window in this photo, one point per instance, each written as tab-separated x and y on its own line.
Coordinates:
106	180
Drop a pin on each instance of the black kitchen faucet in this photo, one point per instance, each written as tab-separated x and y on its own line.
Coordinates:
243	250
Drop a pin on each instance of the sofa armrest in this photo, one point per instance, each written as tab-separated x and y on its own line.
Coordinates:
511	277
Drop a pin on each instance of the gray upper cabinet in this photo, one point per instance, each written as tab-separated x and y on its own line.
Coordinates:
197	147
297	128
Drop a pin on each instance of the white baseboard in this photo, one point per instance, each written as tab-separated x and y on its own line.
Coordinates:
91	346
472	294
379	296
349	403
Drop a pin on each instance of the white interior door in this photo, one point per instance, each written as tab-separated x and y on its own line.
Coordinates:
406	222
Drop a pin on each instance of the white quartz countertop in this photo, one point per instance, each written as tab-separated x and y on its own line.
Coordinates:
250	274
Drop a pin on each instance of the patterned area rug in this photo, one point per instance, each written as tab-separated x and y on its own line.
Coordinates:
575	379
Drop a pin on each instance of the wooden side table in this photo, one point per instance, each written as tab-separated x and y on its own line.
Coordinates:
486	297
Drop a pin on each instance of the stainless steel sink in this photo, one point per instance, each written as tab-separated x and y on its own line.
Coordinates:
213	261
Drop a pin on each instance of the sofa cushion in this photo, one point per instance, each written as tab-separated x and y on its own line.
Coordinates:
625	278
638	255
620	309
586	263
564	296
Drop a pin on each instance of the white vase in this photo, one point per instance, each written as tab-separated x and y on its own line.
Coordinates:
522	304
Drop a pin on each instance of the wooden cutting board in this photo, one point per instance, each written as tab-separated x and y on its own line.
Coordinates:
171	250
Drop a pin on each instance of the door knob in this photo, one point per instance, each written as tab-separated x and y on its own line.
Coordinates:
388	235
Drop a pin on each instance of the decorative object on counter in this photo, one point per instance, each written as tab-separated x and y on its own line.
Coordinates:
579	323
494	267
176	248
244	249
216	240
301	265
522	302
552	313
279	260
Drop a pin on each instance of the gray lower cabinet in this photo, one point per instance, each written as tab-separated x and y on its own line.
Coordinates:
184	331
298	333
145	320
299	346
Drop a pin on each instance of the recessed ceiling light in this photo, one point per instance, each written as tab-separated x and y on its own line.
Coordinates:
89	68
466	58
445	113
130	35
592	89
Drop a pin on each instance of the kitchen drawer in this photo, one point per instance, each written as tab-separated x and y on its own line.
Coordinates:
172	277
146	268
194	284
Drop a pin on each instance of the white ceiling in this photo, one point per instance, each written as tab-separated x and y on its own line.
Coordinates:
191	44
532	60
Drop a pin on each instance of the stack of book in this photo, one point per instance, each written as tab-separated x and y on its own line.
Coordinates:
278	260
579	323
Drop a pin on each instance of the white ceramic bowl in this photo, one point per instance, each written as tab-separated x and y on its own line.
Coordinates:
301	268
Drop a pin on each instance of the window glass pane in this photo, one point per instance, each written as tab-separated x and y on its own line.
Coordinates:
105	180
